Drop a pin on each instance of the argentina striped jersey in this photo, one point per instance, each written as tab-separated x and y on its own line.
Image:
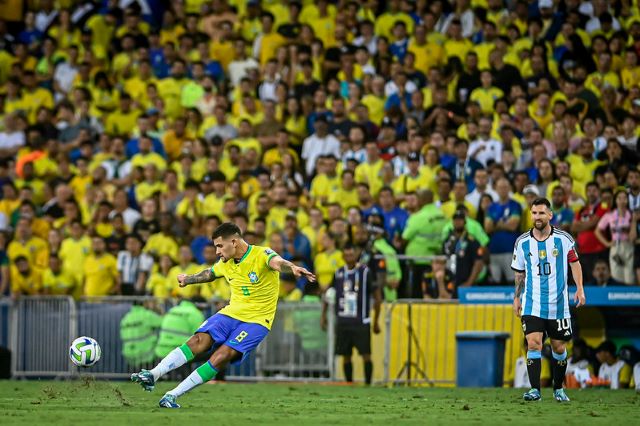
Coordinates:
546	266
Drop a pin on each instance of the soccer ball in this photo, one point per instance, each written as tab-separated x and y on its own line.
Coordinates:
84	351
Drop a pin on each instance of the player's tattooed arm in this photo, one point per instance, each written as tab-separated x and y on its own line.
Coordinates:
519	283
203	276
286	267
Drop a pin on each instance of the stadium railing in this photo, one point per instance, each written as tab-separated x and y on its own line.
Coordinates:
42	327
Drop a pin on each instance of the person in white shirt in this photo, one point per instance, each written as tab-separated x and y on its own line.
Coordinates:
481	179
612	369
485	149
12	139
65	74
318	144
121	206
241	64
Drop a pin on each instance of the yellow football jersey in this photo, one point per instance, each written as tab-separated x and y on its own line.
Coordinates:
254	286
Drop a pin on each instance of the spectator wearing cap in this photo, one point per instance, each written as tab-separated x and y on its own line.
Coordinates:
296	243
413	180
502	224
612	369
465	254
318	144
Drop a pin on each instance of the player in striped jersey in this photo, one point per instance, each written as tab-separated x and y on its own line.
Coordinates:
541	259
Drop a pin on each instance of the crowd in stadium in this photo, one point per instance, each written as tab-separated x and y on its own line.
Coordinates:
132	128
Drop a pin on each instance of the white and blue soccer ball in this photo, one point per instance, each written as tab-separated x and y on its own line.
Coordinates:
84	351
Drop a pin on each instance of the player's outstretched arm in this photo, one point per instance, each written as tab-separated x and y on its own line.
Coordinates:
204	276
286	267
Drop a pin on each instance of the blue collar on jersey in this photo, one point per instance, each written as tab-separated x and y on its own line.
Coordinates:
550	234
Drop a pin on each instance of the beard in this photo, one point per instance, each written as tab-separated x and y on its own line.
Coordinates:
540	225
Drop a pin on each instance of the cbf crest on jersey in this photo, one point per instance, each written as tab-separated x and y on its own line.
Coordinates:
253	277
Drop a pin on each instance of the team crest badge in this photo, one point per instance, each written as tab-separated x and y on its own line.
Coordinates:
555	252
542	254
253	277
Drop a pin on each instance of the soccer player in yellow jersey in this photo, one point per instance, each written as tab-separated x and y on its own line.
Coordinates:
238	328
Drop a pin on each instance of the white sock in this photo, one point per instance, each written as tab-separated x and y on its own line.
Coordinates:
187	384
175	359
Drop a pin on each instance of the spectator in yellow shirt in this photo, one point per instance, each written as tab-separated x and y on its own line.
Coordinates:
185	266
74	250
57	281
123	120
147	156
175	138
190	207
158	284
328	261
163	241
25	279
101	276
268	41
487	94
370	172
34	249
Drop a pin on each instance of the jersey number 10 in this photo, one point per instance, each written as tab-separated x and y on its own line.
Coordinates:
544	268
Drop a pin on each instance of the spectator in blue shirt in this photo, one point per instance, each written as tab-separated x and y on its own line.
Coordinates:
399	47
502	224
294	241
562	215
132	147
395	218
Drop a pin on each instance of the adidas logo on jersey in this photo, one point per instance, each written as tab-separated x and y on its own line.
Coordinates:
567	333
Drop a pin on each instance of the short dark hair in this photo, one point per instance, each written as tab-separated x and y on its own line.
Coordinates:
226	230
541	202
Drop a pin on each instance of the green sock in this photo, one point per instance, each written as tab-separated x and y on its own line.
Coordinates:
206	371
187	352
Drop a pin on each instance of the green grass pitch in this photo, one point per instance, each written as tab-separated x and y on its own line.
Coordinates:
122	403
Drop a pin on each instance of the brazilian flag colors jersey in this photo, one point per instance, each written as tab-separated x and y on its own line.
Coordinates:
254	286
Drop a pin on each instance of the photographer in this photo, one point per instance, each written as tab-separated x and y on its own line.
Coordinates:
381	258
465	255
